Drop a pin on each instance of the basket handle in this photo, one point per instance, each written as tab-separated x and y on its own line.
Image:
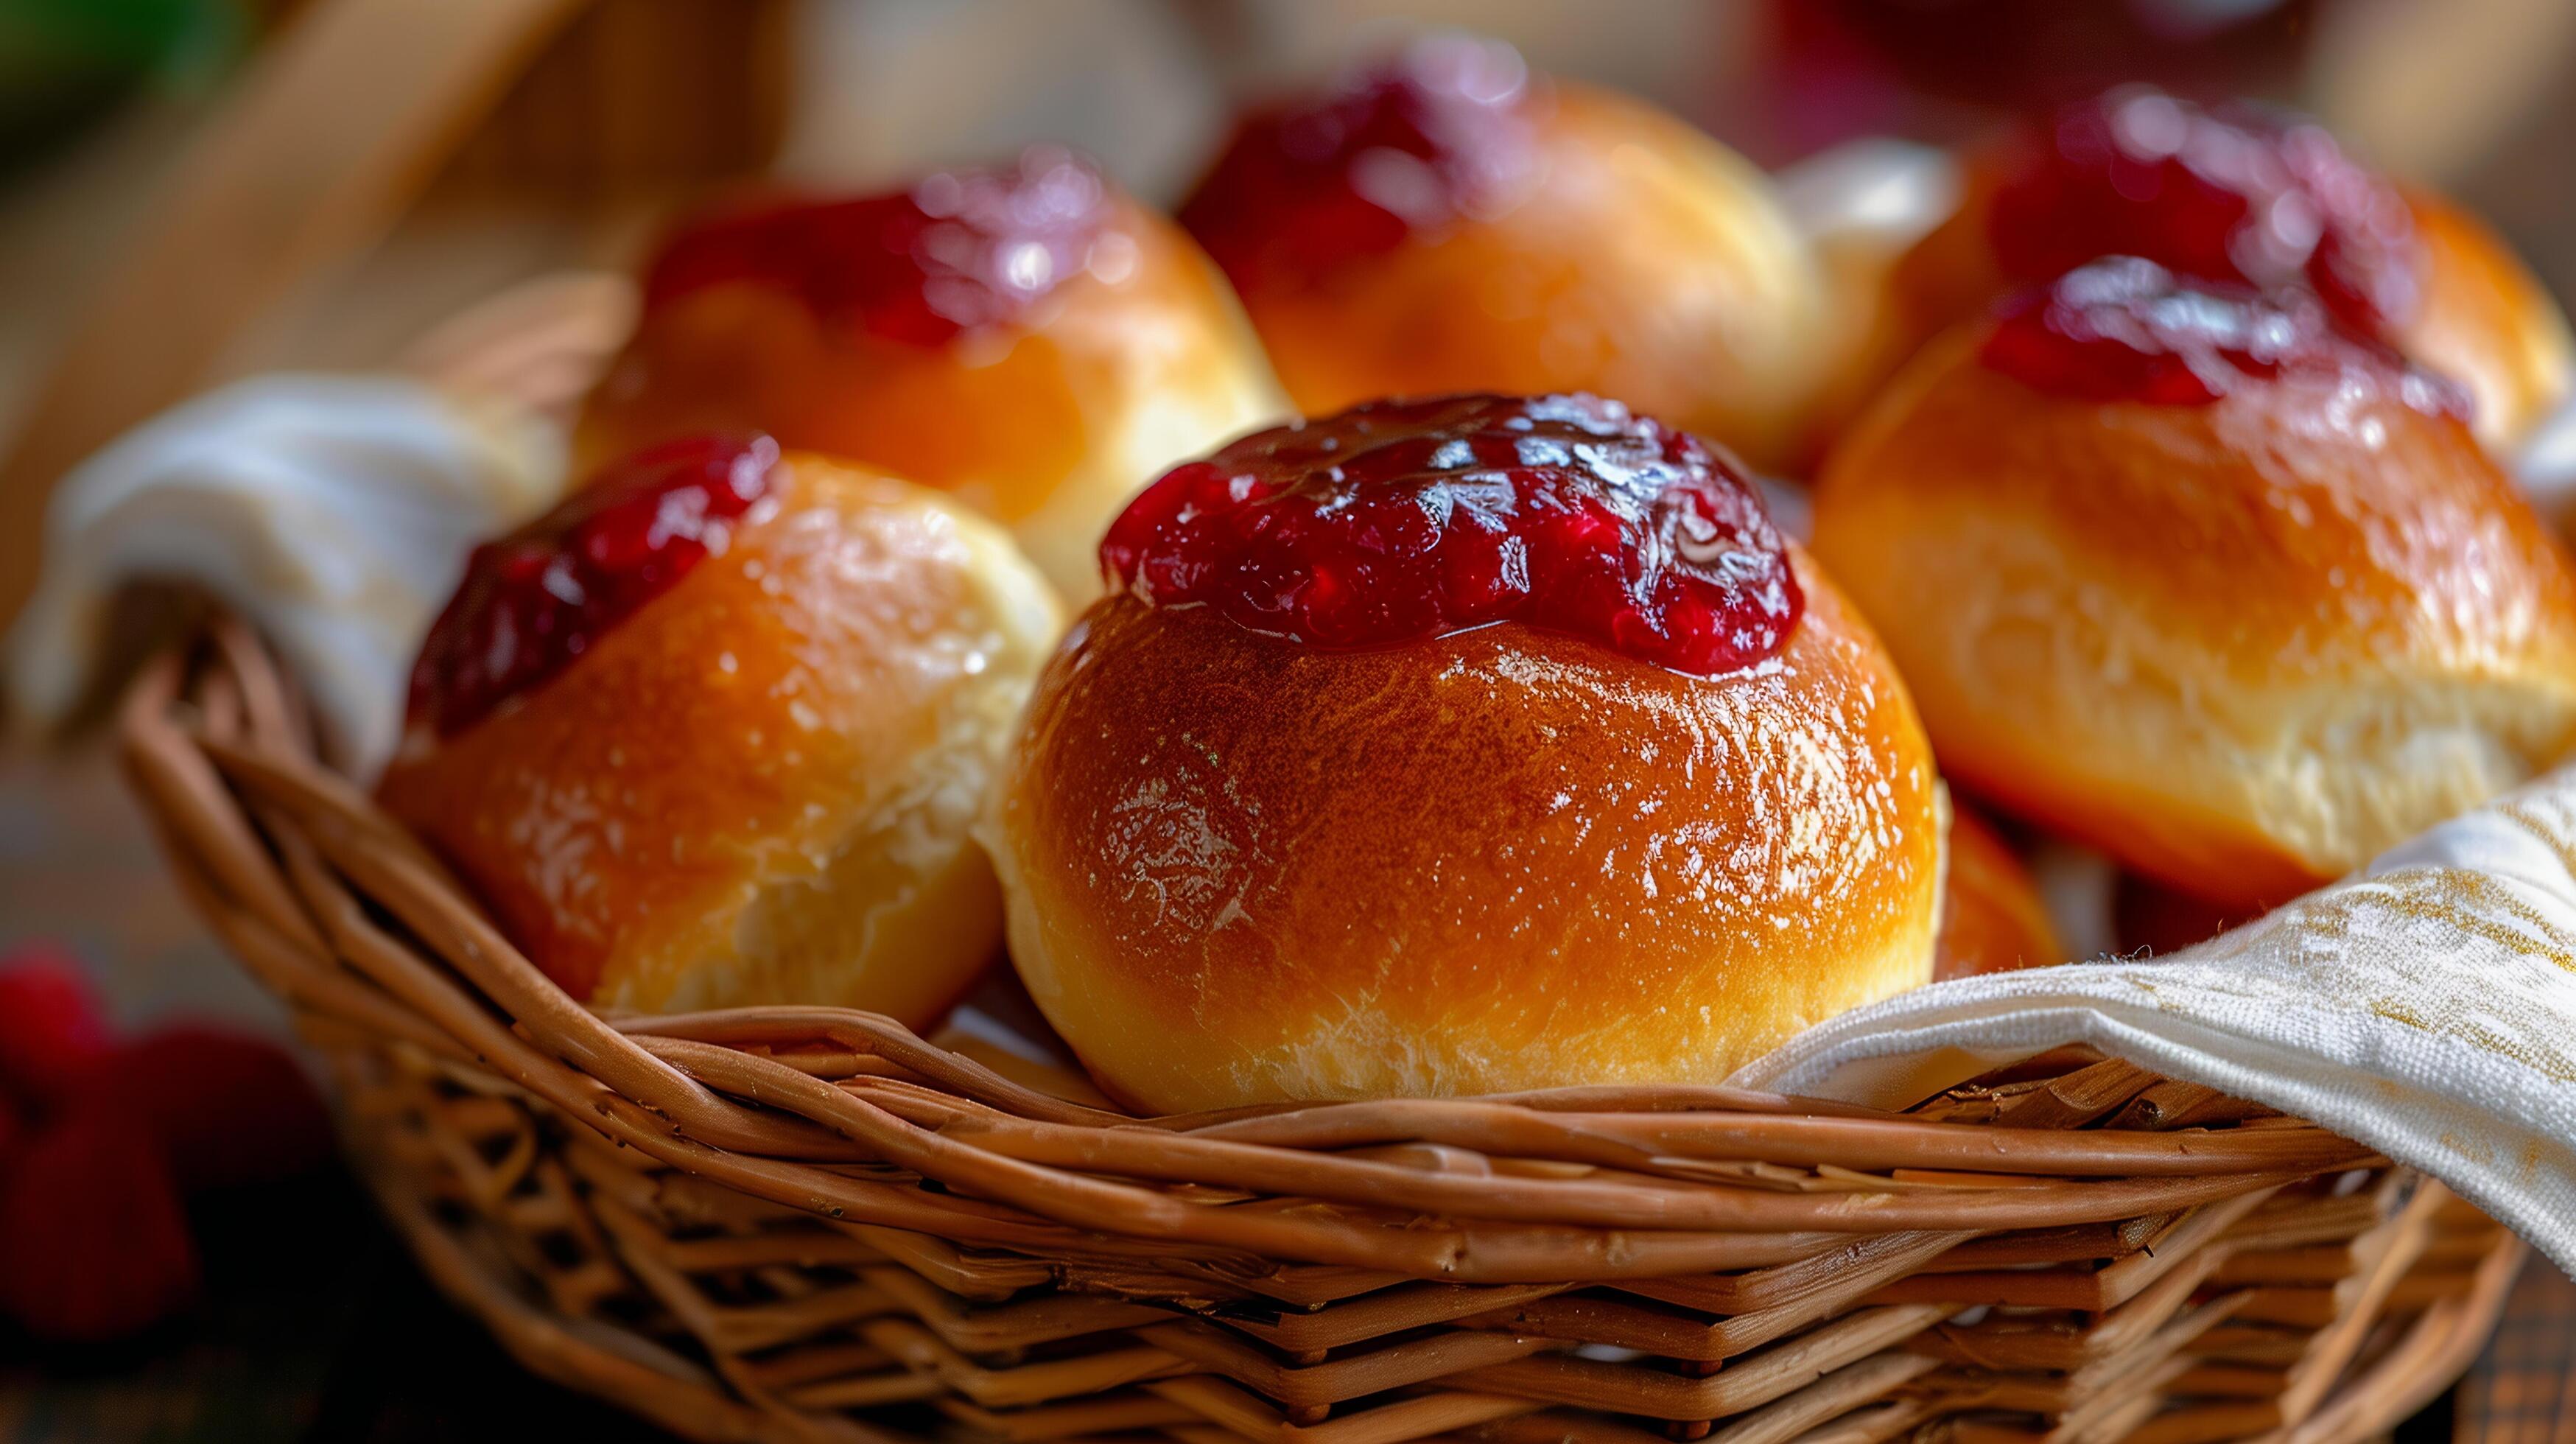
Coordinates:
313	156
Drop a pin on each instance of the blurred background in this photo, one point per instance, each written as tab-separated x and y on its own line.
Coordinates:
374	167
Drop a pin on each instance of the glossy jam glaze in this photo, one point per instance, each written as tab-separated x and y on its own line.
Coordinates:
533	601
2231	195
1442	132
960	250
1399	521
2125	329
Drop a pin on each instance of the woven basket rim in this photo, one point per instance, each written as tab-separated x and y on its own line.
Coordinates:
708	1091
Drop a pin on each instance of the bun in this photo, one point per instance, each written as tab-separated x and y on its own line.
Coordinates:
2403	265
756	785
2487	321
1992	918
1243	868
1546	237
1027	339
2240	640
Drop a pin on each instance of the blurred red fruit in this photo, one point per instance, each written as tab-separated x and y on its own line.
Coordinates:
229	1108
51	1027
93	1241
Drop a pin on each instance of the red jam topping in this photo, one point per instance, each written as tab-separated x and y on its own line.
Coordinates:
1441	133
2124	329
2239	195
536	599
960	250
1398	521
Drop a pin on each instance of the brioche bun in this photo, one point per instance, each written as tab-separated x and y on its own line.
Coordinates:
2488	322
2240	646
757	787
2461	303
1242	870
1046	416
1609	247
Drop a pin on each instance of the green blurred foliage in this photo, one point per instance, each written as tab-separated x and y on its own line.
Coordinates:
66	63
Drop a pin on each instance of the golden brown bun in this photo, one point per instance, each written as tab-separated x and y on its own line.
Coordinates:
1992	919
758	787
2488	323
2485	320
2240	646
1049	430
1651	264
1241	870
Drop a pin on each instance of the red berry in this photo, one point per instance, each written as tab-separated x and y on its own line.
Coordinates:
51	1026
93	1241
227	1108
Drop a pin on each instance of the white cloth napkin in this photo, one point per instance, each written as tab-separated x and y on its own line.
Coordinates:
334	512
2425	1006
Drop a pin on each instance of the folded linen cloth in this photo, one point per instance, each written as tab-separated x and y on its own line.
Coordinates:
334	512
2425	1006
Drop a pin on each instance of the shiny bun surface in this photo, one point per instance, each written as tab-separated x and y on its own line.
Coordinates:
2195	577
1451	852
713	732
1024	337
1444	221
2241	195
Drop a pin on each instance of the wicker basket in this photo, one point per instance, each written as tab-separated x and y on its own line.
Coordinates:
806	1223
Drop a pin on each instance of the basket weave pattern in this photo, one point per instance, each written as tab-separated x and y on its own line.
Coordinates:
808	1224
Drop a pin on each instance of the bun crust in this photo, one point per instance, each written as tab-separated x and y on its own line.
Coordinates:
758	787
2488	323
1653	265
1048	430
2241	647
1242	870
1992	918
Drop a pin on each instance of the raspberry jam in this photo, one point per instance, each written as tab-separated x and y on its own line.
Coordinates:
536	599
960	250
2238	195
1398	521
1442	132
2125	329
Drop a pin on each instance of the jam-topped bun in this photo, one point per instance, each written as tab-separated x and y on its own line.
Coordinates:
1444	221
1992	917
2193	576
2244	196
713	732
1456	746
1027	338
